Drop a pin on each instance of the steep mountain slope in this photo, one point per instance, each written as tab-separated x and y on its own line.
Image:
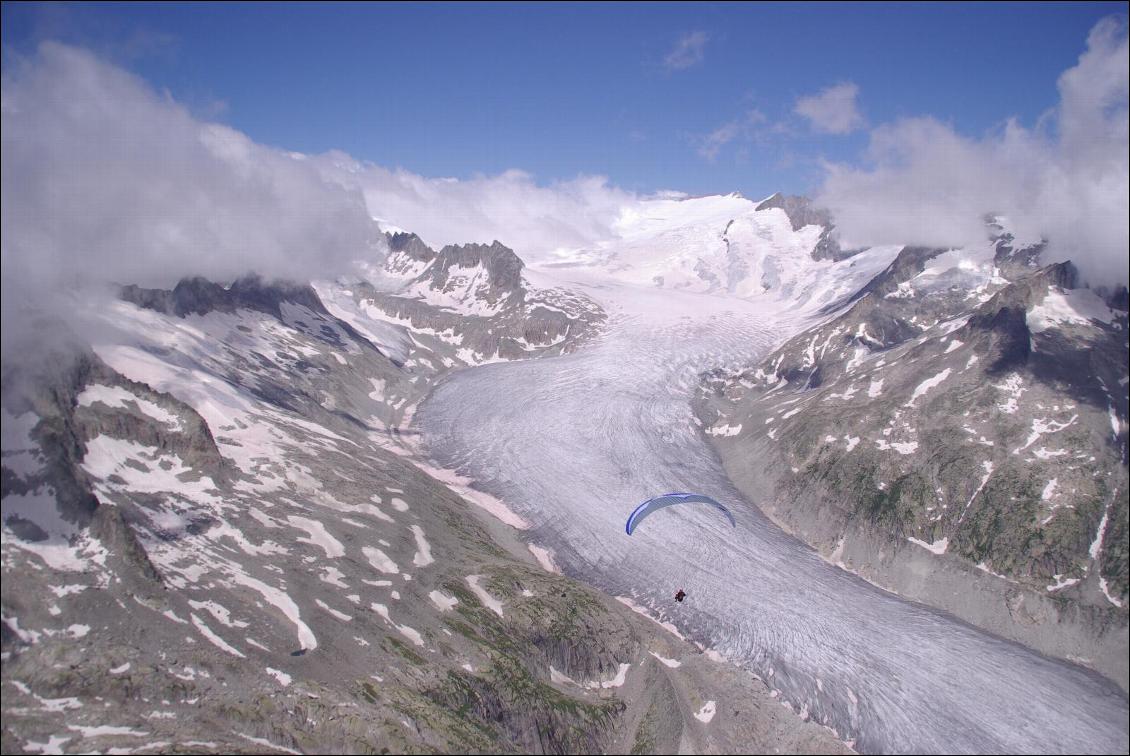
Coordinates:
958	434
218	538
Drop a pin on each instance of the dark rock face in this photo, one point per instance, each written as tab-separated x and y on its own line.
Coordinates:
803	213
1009	340
910	262
25	529
1014	260
882	326
411	245
1000	326
800	210
828	247
191	296
1116	299
158	300
199	296
504	268
110	526
252	293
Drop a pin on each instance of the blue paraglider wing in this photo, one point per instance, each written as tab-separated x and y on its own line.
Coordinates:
670	499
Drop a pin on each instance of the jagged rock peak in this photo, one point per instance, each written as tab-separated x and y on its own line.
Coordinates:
191	296
253	293
411	245
1005	315
1030	290
199	296
1062	274
1015	259
800	210
502	264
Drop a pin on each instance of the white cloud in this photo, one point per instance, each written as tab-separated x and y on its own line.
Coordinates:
105	179
743	128
1065	180
688	51
719	138
511	207
832	110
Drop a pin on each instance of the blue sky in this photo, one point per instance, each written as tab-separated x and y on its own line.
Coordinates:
561	90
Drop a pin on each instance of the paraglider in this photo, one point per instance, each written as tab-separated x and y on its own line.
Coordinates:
667	500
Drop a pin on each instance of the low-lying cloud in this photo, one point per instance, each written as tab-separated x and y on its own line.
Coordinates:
105	180
511	207
1066	179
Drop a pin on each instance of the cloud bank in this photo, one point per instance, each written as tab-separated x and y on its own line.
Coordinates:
511	207
105	180
832	110
1065	180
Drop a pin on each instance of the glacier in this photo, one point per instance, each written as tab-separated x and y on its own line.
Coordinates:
573	443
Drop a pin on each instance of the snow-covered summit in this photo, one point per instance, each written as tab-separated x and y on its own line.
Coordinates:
781	248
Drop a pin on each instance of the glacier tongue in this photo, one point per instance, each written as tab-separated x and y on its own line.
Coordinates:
581	438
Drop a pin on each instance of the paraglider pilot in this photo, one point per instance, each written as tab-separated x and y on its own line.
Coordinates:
666	500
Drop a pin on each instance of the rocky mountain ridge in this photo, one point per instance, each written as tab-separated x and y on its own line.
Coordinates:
218	537
958	434
471	303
